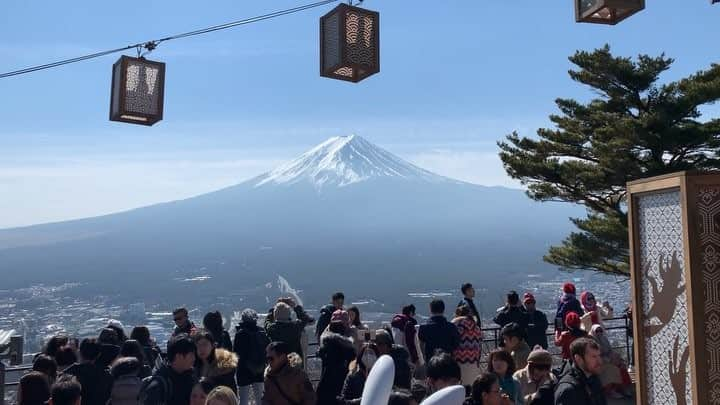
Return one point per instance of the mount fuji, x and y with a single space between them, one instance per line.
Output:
346 214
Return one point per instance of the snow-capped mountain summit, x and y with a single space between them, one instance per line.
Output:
344 160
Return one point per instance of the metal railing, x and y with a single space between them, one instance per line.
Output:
490 341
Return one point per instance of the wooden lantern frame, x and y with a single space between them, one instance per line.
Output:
359 71
120 74
700 232
611 6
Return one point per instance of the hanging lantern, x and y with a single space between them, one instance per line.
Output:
137 91
349 43
606 11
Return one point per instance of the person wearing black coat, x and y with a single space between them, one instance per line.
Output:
249 337
95 380
338 300
213 322
580 385
512 312
537 323
438 333
336 352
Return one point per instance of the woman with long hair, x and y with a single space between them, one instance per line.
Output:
359 369
502 365
468 352
213 322
216 363
486 391
357 328
152 352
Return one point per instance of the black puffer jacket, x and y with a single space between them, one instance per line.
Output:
336 353
246 338
575 388
95 380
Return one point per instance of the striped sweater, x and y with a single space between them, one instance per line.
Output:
469 350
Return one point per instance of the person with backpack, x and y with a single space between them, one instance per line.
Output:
172 383
404 333
126 381
286 383
95 379
338 300
152 352
281 328
249 345
213 322
566 304
213 362
438 333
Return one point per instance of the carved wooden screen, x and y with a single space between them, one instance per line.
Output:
664 301
675 267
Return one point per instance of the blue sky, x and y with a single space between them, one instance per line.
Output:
456 76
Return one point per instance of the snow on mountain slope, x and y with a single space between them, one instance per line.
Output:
344 160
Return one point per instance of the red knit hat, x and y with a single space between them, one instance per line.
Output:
572 320
569 288
528 298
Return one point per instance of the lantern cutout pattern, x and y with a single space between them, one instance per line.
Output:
349 43
137 91
606 11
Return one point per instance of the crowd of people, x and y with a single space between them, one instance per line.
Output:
266 362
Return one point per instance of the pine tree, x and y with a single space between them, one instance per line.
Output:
634 129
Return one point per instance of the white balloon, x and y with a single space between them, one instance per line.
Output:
379 383
454 395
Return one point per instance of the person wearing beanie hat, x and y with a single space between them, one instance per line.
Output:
573 331
535 374
537 323
281 328
340 316
568 302
249 345
337 350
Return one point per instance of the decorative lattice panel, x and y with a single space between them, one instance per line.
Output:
331 41
664 301
360 37
708 211
142 93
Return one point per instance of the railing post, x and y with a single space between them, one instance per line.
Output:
2 383
16 350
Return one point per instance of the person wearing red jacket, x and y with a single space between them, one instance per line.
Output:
565 338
